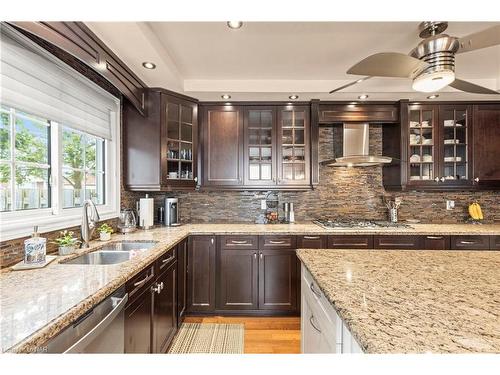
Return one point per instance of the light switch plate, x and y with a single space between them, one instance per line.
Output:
450 205
263 204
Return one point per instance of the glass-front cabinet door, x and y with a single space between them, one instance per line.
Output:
422 146
293 145
181 130
260 150
454 141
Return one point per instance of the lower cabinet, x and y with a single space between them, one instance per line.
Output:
278 280
237 287
165 309
399 242
322 330
474 242
182 264
435 242
201 274
138 324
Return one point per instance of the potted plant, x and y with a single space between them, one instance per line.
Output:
105 232
67 243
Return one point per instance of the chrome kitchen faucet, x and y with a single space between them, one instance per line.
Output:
89 223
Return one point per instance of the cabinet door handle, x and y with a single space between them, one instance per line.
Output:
255 255
436 179
168 259
314 290
312 237
239 242
434 237
156 289
311 320
476 179
468 242
442 179
276 242
212 241
260 255
141 281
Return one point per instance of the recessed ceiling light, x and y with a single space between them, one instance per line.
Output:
433 96
225 96
234 24
148 65
363 97
293 97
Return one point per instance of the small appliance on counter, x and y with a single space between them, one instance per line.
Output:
146 212
289 213
128 221
171 212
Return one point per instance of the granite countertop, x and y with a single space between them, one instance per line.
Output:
37 304
411 301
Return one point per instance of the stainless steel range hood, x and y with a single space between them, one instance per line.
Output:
355 149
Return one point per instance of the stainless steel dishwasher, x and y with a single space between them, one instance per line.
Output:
99 330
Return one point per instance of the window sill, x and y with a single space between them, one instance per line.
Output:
22 227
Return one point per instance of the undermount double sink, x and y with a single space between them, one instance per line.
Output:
113 253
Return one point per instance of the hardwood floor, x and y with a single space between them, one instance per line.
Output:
268 335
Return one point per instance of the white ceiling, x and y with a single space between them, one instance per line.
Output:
271 60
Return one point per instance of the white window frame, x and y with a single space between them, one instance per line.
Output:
16 224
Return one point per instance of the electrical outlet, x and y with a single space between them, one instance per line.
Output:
263 204
450 205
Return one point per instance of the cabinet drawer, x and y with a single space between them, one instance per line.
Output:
277 242
166 259
311 242
470 242
239 242
495 242
350 242
396 242
136 285
435 242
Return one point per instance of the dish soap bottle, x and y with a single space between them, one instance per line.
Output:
35 248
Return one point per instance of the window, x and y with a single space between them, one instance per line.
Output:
83 168
59 141
24 161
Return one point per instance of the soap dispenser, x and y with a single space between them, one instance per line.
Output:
35 248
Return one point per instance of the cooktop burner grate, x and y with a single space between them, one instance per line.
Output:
357 223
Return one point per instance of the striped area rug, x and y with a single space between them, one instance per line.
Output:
209 338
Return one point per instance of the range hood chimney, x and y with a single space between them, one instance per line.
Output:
356 148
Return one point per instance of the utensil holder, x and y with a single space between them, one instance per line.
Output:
393 215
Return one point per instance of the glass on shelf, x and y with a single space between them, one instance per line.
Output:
186 152
186 172
172 150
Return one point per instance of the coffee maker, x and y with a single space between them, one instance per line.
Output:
171 212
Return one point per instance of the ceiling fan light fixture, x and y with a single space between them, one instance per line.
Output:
432 82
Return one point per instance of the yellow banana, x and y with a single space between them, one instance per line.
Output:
472 211
479 212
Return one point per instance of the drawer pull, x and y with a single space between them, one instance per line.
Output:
312 237
142 281
276 242
350 244
314 290
311 320
463 242
434 237
239 242
168 259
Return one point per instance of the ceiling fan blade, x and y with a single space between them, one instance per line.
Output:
389 64
349 84
471 87
482 39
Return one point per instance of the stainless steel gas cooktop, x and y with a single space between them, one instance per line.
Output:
357 224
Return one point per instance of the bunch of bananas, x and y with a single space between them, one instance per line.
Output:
475 211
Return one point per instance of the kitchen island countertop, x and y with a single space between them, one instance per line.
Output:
413 301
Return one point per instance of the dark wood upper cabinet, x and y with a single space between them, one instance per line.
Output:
252 147
345 112
444 146
201 274
486 145
78 40
260 146
160 150
294 146
222 143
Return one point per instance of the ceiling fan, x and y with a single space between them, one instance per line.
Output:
431 64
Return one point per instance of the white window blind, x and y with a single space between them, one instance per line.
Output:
32 79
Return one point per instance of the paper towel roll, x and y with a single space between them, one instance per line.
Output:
146 212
